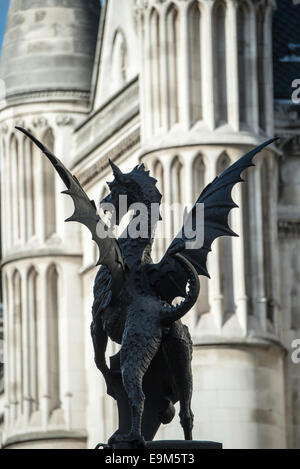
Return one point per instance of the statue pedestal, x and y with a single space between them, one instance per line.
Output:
183 444
169 445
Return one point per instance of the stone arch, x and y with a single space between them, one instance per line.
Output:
199 169
158 173
119 62
176 179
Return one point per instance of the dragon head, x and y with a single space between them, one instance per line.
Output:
134 187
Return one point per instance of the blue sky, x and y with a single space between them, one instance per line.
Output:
3 14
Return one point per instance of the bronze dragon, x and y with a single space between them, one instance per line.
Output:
133 297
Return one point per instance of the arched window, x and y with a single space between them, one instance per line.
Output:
220 72
172 63
260 41
176 195
49 188
155 70
33 339
244 63
225 259
29 189
53 337
17 341
194 31
198 176
119 61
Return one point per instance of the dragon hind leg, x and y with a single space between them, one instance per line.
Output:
178 348
136 357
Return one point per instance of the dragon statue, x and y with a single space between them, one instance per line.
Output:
133 297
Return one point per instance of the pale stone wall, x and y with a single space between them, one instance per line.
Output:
186 112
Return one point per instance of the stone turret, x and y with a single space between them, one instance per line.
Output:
47 65
206 99
49 45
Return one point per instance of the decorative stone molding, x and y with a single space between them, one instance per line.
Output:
4 128
64 120
19 123
39 121
92 172
47 94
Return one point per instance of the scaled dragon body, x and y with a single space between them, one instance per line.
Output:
133 297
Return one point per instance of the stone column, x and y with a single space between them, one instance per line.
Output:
4 198
183 64
11 351
39 191
216 297
7 199
22 194
254 75
268 71
163 68
155 87
232 65
166 161
15 193
259 247
43 346
27 398
7 326
143 60
146 86
238 254
188 156
274 258
208 63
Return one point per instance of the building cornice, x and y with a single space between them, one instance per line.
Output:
127 144
22 256
44 435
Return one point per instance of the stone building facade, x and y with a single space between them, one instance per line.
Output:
186 87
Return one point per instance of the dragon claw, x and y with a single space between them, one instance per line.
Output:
134 440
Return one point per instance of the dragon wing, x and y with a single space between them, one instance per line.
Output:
167 277
85 212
